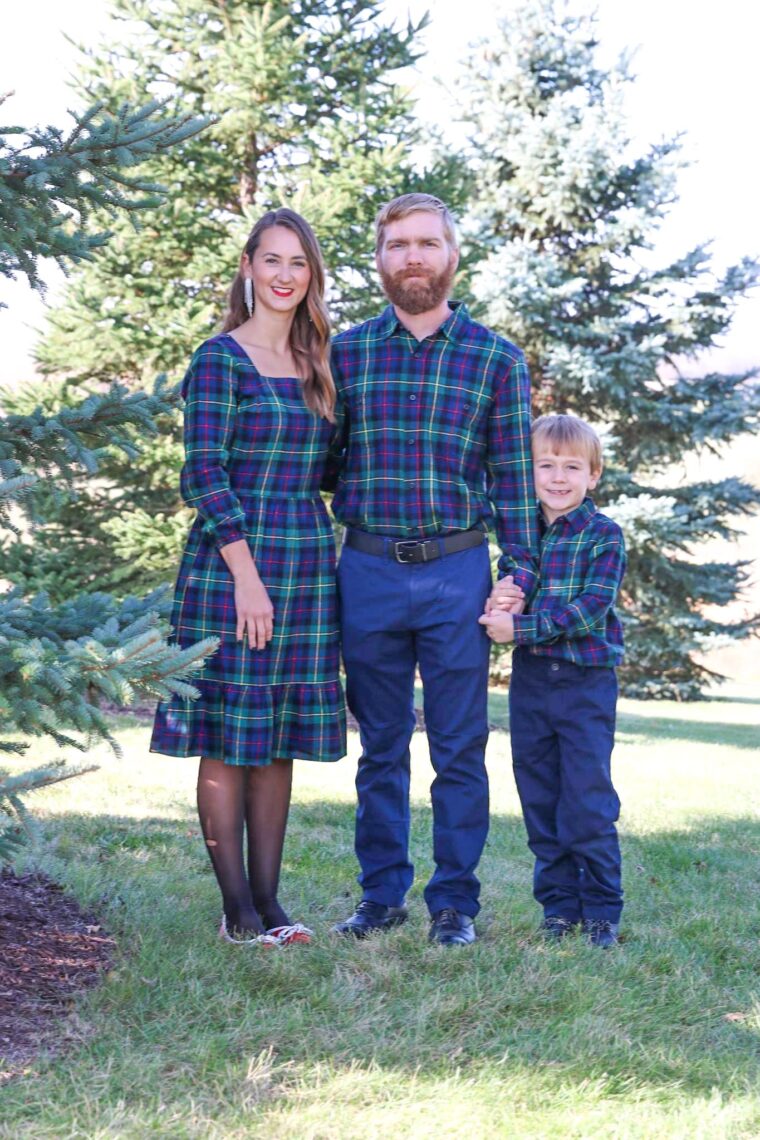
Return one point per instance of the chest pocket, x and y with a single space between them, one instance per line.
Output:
473 413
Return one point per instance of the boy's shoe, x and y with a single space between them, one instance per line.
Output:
370 916
601 932
555 927
449 927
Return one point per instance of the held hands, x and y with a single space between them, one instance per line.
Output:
506 599
507 596
499 625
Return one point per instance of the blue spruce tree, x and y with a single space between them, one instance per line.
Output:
564 214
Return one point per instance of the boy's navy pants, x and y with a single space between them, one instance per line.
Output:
562 723
394 617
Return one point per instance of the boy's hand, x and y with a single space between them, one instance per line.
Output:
499 625
507 596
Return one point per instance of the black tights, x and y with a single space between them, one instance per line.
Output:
255 800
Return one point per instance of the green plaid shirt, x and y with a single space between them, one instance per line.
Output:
435 436
572 615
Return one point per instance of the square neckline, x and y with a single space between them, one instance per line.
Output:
248 360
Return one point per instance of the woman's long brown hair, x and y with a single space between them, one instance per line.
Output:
310 331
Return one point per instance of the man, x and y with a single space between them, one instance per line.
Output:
435 449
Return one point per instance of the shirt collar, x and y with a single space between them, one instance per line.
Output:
453 327
575 520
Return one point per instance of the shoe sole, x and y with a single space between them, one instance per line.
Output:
358 932
452 941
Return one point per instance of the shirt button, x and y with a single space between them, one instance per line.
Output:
412 397
554 666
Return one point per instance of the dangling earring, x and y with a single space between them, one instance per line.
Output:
248 295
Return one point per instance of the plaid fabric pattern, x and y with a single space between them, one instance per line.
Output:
254 459
571 614
435 436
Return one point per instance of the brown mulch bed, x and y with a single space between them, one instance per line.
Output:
49 950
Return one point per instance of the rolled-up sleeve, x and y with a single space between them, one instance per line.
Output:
209 391
510 476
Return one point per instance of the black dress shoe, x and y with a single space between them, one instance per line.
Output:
555 927
600 932
370 916
448 927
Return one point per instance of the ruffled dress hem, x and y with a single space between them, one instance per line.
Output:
254 724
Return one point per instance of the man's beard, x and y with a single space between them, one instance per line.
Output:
419 296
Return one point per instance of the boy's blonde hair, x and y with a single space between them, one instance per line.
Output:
407 204
569 433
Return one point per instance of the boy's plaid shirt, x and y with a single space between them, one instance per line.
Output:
571 614
435 436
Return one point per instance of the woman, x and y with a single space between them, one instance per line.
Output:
258 571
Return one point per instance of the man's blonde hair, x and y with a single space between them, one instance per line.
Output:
407 204
569 433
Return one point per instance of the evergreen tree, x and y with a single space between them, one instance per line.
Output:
565 212
49 180
306 113
56 660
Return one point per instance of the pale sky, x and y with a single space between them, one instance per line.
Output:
696 74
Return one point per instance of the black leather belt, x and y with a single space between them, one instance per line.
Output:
402 550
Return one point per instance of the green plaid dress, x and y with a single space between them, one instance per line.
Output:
254 457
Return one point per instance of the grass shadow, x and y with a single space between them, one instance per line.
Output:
180 1009
650 728
745 736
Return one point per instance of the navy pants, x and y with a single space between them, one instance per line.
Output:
393 618
562 724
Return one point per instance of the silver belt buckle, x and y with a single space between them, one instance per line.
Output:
402 549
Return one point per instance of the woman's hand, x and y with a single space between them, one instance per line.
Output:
255 613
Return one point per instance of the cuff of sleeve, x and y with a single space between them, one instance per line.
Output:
525 579
526 628
222 534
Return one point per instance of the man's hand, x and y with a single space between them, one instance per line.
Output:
499 625
506 596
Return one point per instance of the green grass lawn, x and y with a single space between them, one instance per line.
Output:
188 1037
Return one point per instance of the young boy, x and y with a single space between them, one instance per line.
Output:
563 689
